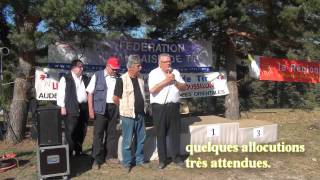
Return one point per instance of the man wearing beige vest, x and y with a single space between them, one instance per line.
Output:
129 95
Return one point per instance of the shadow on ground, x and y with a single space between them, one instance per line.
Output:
80 164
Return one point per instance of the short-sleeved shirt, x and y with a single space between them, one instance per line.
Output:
80 90
110 81
170 93
138 99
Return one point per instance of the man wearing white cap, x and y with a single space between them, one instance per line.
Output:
105 112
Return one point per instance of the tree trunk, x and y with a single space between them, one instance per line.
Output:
18 109
231 100
26 24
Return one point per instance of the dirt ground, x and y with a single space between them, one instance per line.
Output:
293 128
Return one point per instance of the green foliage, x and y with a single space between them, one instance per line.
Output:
216 12
286 29
10 63
124 15
267 94
21 40
59 13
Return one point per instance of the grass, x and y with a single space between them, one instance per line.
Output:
293 128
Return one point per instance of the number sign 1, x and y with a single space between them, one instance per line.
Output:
213 131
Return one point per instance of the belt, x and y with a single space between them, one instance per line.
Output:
169 103
82 104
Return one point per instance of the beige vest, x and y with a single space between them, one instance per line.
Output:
126 107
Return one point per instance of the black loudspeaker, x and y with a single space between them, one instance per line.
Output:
53 161
49 126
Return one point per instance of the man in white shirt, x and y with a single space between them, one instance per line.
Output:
164 86
72 98
105 113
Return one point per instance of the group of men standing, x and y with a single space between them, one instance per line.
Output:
108 95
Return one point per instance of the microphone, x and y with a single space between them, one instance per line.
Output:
170 72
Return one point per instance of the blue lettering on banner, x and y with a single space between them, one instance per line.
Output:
204 93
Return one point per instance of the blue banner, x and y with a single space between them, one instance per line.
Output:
187 56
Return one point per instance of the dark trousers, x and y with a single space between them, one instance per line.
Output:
76 128
167 122
105 135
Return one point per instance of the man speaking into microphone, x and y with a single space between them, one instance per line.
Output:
164 86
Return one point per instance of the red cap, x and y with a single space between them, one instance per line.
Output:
113 62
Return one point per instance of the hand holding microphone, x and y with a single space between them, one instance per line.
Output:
170 78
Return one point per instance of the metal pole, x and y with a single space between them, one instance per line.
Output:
1 76
4 51
1 109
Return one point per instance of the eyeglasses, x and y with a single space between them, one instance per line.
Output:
165 61
80 66
114 70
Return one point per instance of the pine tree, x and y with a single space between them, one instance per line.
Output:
29 26
22 19
286 29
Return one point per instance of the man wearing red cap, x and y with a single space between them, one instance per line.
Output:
102 108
